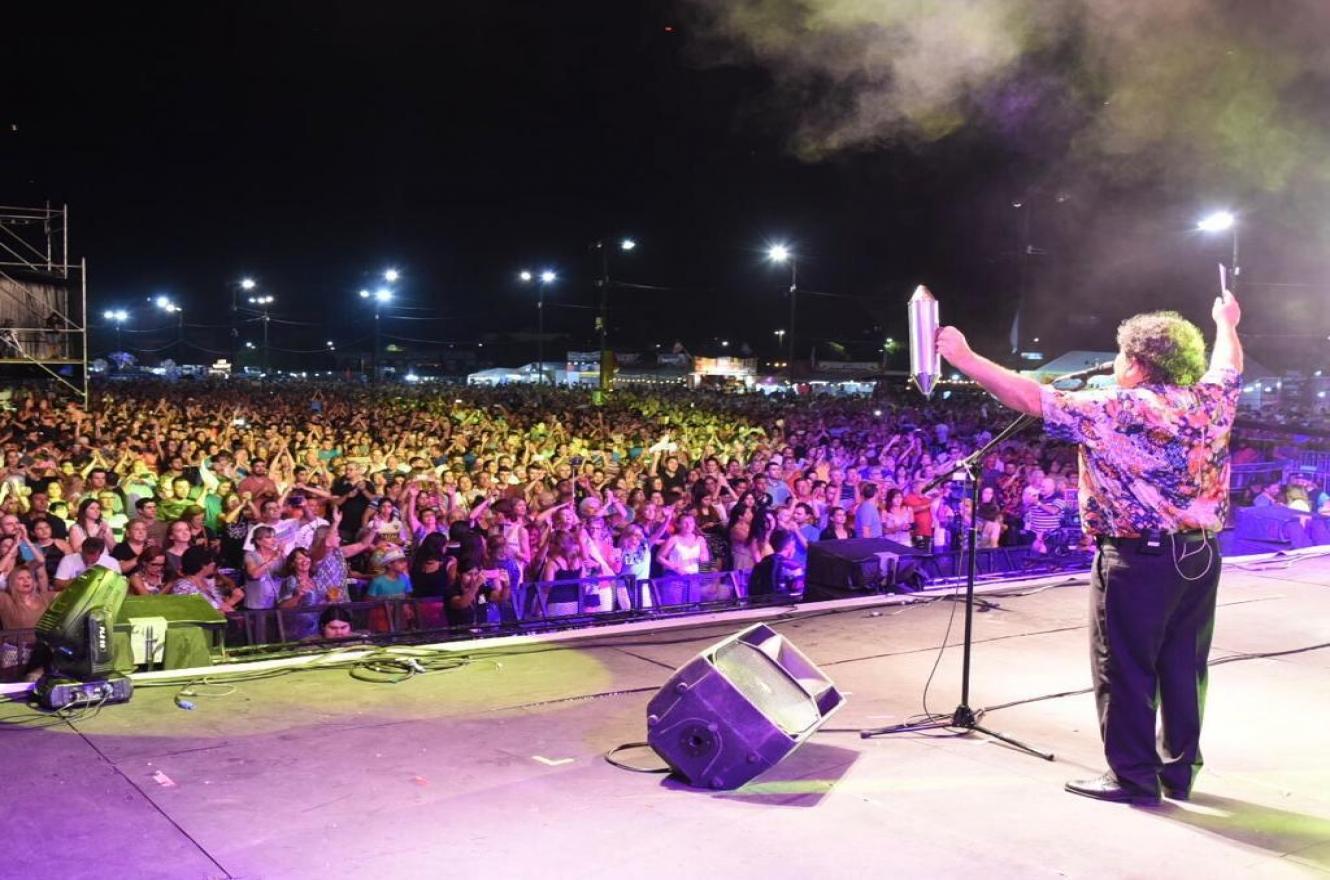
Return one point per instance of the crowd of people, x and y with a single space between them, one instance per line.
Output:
305 496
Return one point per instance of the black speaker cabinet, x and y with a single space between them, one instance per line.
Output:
739 708
867 564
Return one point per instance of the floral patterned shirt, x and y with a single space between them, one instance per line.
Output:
1151 457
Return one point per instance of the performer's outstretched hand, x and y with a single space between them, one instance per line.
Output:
952 345
1226 310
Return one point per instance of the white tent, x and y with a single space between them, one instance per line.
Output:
556 373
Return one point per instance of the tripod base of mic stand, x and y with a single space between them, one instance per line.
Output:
963 718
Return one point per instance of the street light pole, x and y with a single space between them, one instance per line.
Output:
246 284
603 321
167 305
1237 267
1224 221
380 296
265 301
116 317
780 253
794 293
546 278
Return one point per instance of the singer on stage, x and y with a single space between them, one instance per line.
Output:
1154 475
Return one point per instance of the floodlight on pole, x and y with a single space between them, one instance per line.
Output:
546 278
248 283
165 304
391 275
263 302
116 317
364 294
1224 221
603 285
1219 221
381 296
782 253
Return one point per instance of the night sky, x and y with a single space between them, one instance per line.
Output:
311 145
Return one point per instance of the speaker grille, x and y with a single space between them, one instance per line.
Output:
764 684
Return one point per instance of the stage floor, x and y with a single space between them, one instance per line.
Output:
495 769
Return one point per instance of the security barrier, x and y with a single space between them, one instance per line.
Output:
533 607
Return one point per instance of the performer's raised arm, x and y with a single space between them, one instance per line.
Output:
1021 393
1227 353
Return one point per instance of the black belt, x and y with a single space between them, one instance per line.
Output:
1152 540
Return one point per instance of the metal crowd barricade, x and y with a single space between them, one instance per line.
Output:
15 649
1263 472
697 592
535 597
621 597
1314 460
258 626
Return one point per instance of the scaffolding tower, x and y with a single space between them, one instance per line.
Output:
43 300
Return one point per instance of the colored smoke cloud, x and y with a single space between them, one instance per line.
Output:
1212 90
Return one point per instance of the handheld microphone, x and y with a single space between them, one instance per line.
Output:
925 361
1081 375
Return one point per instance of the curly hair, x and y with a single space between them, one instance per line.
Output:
1168 347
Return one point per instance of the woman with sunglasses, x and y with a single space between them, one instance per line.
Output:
149 578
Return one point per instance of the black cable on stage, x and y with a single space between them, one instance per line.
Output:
609 758
937 661
82 710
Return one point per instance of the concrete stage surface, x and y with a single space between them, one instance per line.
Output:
494 769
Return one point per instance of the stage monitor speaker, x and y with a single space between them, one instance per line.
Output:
738 708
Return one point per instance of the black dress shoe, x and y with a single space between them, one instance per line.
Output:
1106 788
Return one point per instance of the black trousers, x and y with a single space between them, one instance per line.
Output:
1151 620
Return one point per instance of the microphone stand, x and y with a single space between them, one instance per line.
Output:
964 717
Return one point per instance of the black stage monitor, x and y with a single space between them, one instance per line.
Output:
738 708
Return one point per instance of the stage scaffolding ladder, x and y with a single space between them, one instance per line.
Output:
43 300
